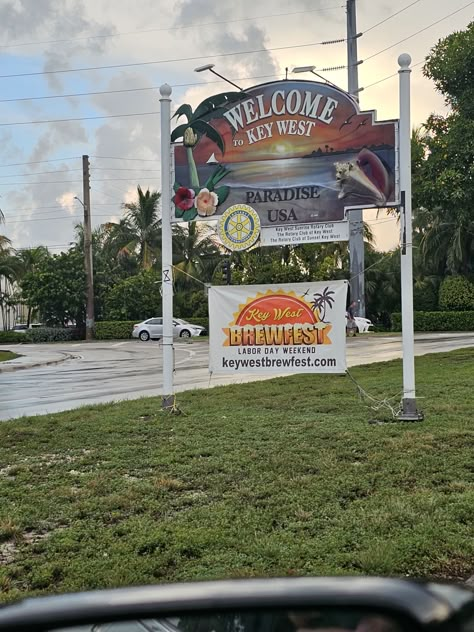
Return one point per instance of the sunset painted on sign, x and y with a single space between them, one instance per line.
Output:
264 125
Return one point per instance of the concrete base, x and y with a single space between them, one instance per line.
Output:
409 411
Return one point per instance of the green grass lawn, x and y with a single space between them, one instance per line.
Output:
284 477
7 355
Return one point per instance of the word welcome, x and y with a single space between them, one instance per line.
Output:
304 103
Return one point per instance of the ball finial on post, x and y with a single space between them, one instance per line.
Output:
404 61
165 91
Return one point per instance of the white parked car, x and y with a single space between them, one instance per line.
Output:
21 328
363 324
152 329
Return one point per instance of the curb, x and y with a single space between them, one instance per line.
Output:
34 365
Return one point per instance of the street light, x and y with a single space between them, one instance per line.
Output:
210 67
311 69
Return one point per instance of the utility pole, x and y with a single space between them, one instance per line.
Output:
356 221
90 320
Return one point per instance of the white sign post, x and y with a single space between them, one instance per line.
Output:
167 401
409 411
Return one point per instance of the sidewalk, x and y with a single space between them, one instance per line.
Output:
31 357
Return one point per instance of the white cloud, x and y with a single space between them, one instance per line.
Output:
68 202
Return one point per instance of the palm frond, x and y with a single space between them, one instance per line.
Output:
210 132
208 107
184 110
178 132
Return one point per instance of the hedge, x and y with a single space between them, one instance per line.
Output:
114 329
43 334
50 334
438 321
12 337
456 294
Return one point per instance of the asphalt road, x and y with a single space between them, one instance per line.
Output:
111 371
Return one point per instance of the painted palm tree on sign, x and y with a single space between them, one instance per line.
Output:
203 200
321 301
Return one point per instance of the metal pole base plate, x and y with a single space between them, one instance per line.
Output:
409 411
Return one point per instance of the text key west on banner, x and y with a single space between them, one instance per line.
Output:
291 328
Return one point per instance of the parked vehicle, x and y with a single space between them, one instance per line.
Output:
20 328
152 329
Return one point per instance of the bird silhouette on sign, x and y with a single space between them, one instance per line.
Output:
362 123
348 121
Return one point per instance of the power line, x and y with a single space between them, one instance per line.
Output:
37 162
122 169
395 74
390 17
104 193
55 207
83 118
19 215
123 158
38 173
161 61
419 31
170 28
4 184
39 246
46 219
124 90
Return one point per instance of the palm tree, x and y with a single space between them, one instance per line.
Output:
446 240
197 125
195 252
27 262
140 229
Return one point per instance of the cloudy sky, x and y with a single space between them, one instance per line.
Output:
99 63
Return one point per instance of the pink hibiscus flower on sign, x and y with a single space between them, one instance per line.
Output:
206 202
184 198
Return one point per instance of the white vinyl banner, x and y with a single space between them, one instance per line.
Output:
288 328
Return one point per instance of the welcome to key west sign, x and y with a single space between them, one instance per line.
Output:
299 153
